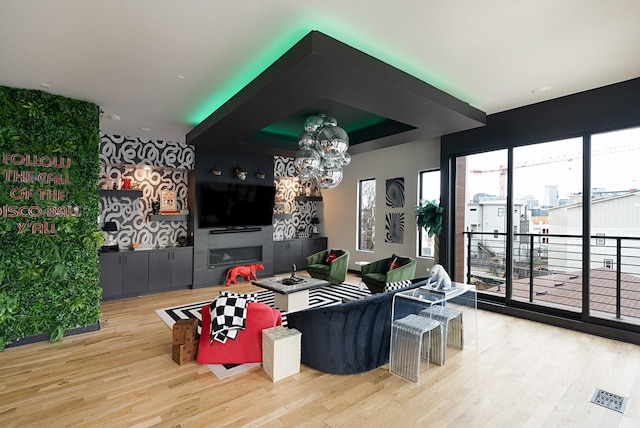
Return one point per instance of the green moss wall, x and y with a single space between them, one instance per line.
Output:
48 214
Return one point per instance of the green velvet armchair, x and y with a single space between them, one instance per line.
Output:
335 271
376 274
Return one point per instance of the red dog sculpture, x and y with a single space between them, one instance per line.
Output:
248 271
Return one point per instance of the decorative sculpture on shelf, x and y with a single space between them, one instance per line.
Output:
155 207
240 173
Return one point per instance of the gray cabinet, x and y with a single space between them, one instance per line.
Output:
170 268
111 275
132 273
135 272
160 270
286 253
182 264
125 273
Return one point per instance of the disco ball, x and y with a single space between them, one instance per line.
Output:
330 121
332 141
323 151
307 162
307 139
331 175
313 123
346 159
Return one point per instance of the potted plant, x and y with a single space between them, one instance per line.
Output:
429 216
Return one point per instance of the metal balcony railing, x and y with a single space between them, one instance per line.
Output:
547 269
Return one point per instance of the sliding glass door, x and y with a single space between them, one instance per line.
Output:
547 224
615 226
481 214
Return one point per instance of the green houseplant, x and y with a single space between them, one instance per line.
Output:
429 216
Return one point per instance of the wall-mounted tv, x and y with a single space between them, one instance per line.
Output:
235 205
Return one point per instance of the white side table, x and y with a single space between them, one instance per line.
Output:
281 352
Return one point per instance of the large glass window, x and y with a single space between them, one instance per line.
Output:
429 186
540 233
366 214
615 225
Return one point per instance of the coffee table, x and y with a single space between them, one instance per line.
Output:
290 298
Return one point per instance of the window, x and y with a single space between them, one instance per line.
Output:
366 214
429 186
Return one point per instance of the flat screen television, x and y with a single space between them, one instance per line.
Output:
235 205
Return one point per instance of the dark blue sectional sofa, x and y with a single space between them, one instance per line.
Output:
352 337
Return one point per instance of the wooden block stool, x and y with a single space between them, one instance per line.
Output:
281 352
185 340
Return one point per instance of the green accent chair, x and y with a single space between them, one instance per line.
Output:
335 272
376 274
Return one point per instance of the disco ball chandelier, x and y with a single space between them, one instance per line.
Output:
323 151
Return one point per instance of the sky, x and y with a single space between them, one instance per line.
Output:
615 166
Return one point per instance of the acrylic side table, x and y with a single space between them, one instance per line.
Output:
444 307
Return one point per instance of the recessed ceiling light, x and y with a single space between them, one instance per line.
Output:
45 86
145 129
540 90
178 76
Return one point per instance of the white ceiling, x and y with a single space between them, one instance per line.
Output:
125 55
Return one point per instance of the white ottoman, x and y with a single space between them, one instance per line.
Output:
281 352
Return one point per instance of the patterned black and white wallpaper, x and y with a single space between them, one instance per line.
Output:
124 157
288 187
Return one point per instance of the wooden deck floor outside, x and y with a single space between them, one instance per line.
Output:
512 373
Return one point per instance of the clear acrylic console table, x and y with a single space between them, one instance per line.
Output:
424 322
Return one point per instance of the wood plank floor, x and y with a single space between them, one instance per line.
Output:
512 373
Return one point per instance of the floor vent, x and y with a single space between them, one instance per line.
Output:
609 400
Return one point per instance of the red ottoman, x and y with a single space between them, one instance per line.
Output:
247 347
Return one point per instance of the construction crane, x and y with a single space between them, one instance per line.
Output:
502 169
503 178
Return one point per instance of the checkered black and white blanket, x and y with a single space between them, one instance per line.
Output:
229 315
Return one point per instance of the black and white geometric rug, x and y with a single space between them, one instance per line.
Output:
318 297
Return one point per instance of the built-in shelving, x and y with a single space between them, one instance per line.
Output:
121 193
168 217
308 198
282 216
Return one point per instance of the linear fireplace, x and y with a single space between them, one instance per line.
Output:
234 256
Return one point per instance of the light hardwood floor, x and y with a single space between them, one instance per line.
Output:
512 373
